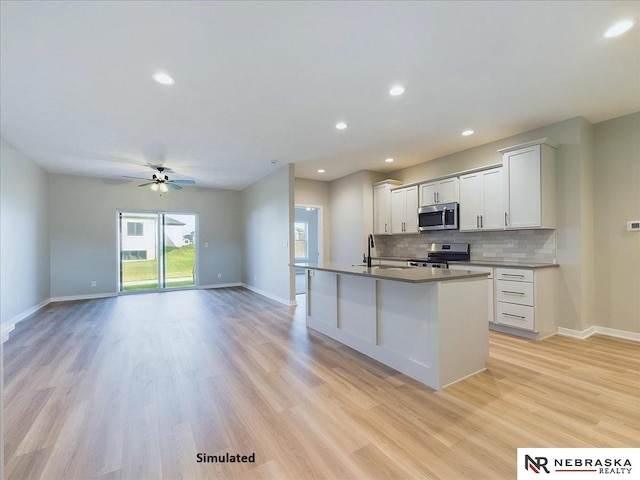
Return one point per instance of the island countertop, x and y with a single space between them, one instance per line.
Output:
399 274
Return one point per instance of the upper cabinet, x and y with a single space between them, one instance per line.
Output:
441 191
404 210
530 194
482 200
382 206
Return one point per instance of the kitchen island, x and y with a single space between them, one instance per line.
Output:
427 323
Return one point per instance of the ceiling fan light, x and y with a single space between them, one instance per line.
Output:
154 187
164 188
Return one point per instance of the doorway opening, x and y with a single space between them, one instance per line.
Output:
156 251
308 240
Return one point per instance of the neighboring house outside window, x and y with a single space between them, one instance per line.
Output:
139 243
135 229
134 255
139 236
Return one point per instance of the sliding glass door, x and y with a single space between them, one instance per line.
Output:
157 251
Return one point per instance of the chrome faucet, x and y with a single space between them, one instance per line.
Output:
370 245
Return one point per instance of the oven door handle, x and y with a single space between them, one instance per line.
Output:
444 217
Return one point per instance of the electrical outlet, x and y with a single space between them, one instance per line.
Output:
93 283
633 226
219 275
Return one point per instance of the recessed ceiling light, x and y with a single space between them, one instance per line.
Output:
389 160
396 90
618 28
341 125
466 133
321 170
163 78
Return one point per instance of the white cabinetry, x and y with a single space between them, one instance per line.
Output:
490 283
482 200
525 300
382 206
404 210
441 191
530 195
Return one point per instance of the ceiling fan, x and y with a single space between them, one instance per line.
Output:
160 180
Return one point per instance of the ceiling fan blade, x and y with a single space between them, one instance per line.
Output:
174 186
183 182
137 178
145 184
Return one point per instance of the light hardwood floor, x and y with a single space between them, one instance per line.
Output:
134 387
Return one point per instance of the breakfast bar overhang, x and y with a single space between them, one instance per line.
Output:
427 323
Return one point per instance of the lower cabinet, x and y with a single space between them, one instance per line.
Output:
521 300
490 282
525 300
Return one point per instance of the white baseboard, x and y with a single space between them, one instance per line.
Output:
288 303
83 297
8 327
5 330
219 285
611 332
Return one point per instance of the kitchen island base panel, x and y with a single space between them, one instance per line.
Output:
433 332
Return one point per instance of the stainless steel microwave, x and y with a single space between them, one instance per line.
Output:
443 216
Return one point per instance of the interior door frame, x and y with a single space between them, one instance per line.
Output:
160 254
320 226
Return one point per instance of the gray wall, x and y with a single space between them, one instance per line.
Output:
268 236
83 231
617 194
24 230
352 215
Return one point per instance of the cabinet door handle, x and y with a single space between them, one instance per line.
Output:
512 315
434 197
481 221
512 275
437 197
506 222
477 221
509 292
385 227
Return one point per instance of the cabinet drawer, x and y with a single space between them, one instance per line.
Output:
519 275
515 292
520 316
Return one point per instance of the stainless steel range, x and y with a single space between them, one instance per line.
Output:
439 254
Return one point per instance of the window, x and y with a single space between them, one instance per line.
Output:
300 239
134 229
134 254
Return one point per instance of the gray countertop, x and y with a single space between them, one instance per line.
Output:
411 275
505 263
486 263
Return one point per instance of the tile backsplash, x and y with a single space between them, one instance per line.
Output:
532 246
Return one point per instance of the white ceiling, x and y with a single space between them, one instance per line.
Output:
258 82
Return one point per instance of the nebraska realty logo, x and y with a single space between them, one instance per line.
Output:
582 463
